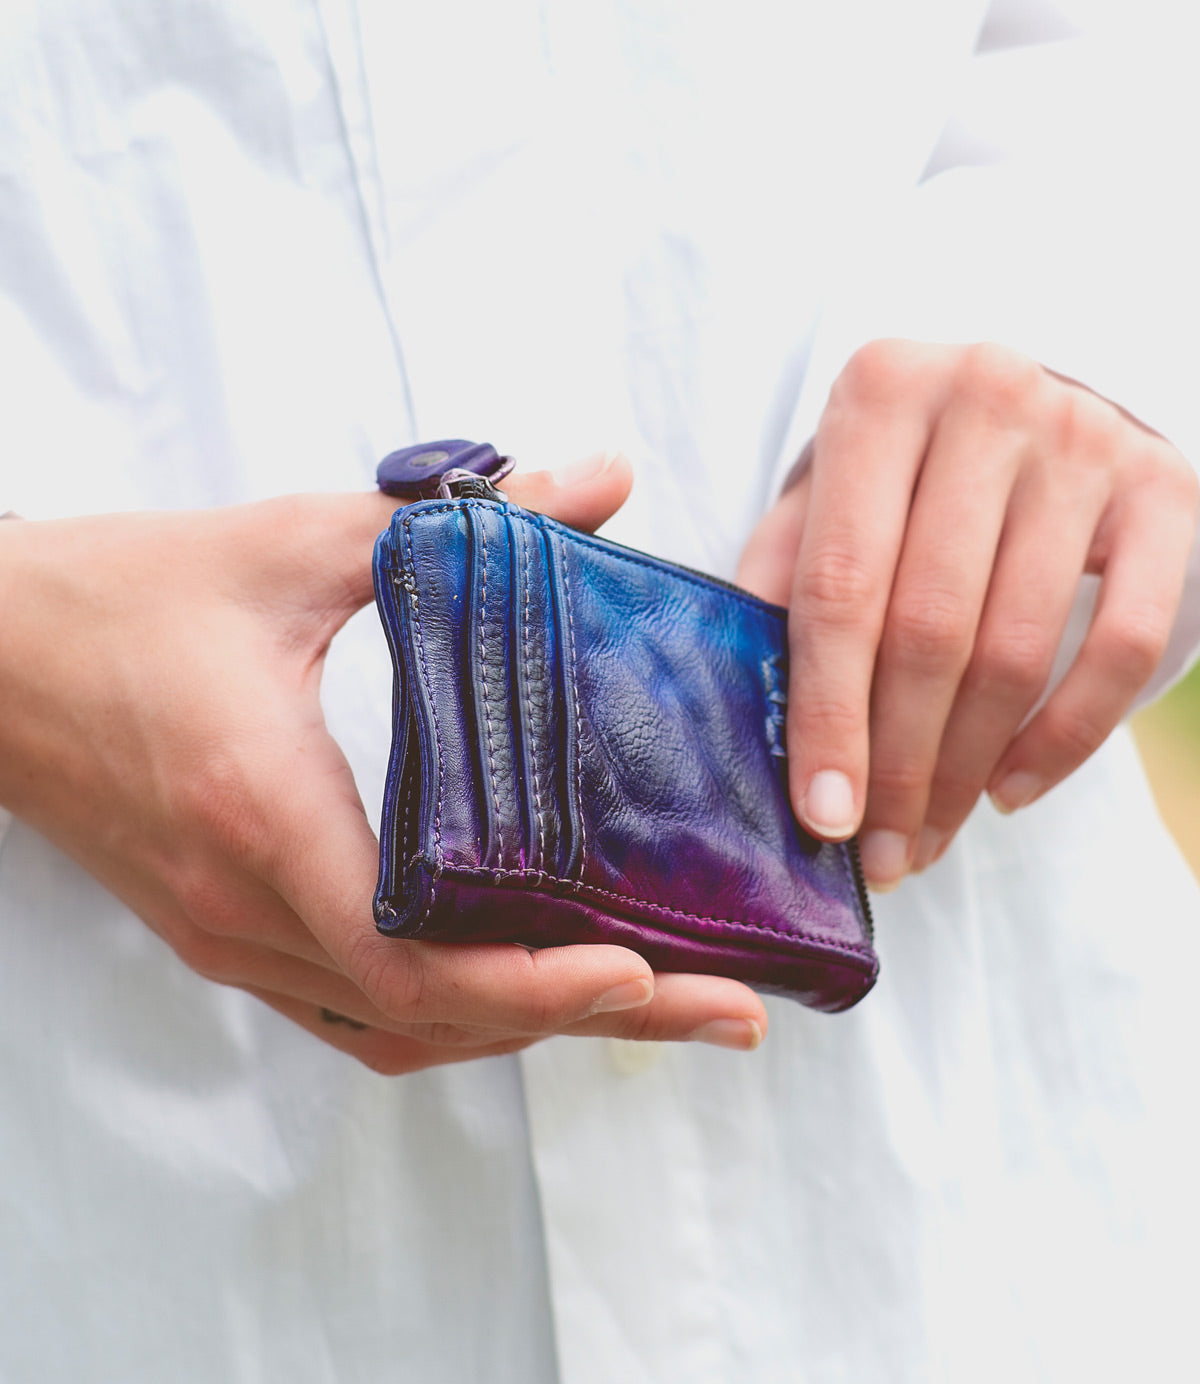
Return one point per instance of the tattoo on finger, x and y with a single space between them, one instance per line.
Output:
331 1016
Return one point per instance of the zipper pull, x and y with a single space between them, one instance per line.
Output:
447 470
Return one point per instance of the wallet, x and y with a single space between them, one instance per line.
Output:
589 746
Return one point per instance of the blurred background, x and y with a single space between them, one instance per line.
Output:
1168 735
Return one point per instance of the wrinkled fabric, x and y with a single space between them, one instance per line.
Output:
248 248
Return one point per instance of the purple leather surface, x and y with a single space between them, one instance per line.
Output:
589 747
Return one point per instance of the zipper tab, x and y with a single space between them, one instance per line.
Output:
433 469
466 485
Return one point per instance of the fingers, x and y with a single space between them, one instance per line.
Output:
956 495
1140 593
678 1015
499 985
389 1054
321 572
326 873
583 494
933 631
869 449
1050 528
323 863
768 562
699 1009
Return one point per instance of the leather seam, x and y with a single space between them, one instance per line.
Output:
408 798
668 569
528 720
437 733
578 716
541 877
487 705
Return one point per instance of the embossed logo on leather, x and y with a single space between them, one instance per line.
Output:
774 676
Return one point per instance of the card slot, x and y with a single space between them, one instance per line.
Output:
491 584
571 857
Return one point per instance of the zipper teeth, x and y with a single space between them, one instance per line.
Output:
861 885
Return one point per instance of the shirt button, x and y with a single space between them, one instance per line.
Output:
630 1057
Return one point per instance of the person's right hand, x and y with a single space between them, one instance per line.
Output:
160 721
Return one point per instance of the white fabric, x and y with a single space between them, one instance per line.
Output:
249 247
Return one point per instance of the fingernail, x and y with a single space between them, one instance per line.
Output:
586 468
1017 790
885 856
930 844
829 804
742 1034
626 996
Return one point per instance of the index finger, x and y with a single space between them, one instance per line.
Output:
869 447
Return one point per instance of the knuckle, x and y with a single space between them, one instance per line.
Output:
828 718
1132 643
1171 471
389 974
546 1007
1083 425
836 585
1016 660
898 780
207 955
952 794
1184 480
643 1025
929 629
997 379
207 902
543 1014
880 373
1076 735
217 799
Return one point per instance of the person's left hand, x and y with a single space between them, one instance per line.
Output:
930 556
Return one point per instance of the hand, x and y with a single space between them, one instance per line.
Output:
160 721
930 557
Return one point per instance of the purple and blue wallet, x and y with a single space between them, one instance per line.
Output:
589 746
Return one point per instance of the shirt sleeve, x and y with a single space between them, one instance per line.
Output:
1058 215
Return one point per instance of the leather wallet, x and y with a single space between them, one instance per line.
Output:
589 746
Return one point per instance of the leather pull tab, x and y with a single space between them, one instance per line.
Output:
417 473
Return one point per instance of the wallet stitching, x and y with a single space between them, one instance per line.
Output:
437 733
409 791
542 877
531 738
408 798
653 564
578 716
487 706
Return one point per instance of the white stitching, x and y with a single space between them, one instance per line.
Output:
437 734
541 877
578 717
667 569
412 778
487 707
408 797
537 794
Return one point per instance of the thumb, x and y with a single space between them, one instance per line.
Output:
335 534
584 494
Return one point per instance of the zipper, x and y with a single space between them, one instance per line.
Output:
465 485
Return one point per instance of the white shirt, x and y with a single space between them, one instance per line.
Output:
248 248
